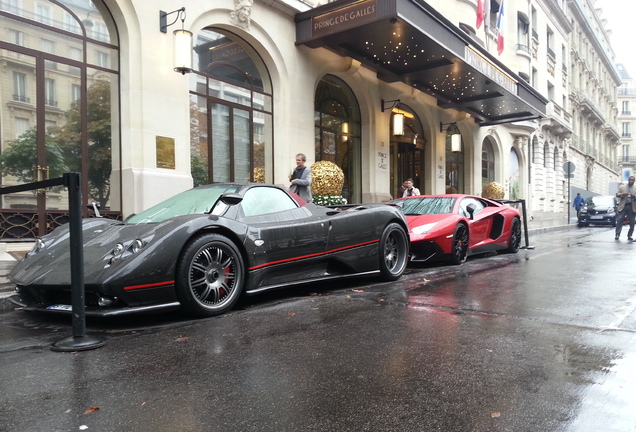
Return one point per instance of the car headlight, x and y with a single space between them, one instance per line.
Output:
118 249
123 250
423 229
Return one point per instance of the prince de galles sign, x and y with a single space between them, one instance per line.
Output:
344 18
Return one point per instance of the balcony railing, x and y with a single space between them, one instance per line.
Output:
626 112
50 102
523 48
21 98
626 134
551 54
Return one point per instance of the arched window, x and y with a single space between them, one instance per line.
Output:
337 134
546 155
230 111
556 158
487 163
61 72
514 174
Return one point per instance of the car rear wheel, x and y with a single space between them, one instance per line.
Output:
459 252
394 252
515 236
210 276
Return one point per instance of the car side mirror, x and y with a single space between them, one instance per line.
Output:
231 199
95 207
470 208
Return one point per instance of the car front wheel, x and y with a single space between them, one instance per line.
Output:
394 252
210 276
459 251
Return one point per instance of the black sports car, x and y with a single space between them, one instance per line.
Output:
201 249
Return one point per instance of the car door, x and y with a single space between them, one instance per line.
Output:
479 224
281 234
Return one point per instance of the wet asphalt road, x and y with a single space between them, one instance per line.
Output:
544 340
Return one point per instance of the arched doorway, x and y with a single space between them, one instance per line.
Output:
230 111
407 150
60 76
337 133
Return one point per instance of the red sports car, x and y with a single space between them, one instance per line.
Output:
456 226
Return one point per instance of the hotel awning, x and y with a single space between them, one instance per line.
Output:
408 41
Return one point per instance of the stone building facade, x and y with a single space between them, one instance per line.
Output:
91 86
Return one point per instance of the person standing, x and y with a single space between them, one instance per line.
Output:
578 203
626 207
301 179
407 189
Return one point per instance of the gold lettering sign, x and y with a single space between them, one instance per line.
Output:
165 152
485 66
344 18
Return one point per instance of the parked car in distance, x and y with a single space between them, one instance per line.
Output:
598 210
200 250
456 226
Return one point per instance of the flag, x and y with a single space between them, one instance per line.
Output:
480 12
483 13
501 28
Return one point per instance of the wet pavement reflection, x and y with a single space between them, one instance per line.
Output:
543 340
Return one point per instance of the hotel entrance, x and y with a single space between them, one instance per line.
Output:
407 148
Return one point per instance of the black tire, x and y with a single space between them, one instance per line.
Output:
459 251
210 276
515 236
394 252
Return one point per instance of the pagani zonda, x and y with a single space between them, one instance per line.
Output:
456 226
201 249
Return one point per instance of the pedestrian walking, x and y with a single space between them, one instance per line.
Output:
578 203
626 207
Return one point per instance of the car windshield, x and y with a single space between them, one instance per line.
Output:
426 205
193 201
600 201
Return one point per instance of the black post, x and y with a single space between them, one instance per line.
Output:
79 341
525 223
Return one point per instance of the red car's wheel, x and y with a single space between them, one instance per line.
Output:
459 251
515 236
210 276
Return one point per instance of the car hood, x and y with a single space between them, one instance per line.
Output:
441 220
162 243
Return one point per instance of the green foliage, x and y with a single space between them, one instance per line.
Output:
325 200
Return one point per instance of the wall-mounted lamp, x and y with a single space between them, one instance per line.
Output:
456 137
182 40
397 118
345 131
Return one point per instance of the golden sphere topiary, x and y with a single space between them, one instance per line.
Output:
259 175
326 178
493 190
